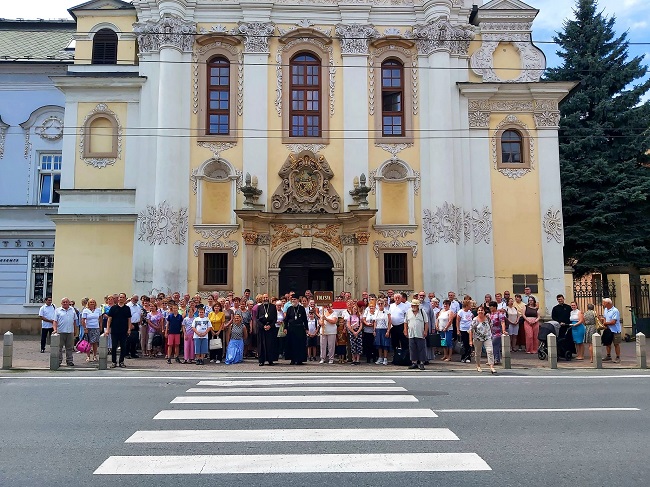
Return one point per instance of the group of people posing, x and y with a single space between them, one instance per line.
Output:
293 327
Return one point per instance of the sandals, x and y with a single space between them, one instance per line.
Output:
122 366
113 365
493 371
479 369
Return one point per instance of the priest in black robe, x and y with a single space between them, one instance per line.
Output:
296 325
267 333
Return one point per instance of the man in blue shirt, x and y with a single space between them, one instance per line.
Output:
613 322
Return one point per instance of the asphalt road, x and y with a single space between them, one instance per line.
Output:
68 429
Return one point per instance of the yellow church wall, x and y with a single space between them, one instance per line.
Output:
216 203
394 199
506 61
102 242
517 242
111 176
126 49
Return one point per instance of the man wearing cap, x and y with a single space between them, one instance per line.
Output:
417 322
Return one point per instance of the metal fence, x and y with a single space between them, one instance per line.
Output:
592 289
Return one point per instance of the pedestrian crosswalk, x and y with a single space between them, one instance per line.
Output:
394 419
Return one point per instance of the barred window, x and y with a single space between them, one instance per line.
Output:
522 281
395 269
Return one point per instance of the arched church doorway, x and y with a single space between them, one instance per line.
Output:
303 269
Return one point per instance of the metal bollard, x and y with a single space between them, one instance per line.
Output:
551 341
640 351
505 351
597 348
103 352
8 351
55 351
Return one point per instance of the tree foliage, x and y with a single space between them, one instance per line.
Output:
604 143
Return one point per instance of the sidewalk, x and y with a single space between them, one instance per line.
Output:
27 355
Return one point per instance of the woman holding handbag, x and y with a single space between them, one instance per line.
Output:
481 336
217 318
590 328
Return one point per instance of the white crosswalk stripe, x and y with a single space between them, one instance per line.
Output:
303 393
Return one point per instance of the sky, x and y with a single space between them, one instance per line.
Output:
632 16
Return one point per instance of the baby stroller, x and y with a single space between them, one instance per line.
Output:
565 346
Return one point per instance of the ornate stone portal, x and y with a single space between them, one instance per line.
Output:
306 213
305 186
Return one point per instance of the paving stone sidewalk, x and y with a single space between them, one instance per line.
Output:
26 355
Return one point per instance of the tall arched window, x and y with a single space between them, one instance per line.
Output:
511 147
392 98
218 122
305 96
104 47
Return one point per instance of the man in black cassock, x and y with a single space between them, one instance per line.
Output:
267 333
296 325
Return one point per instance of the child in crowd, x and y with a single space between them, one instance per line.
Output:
342 336
173 329
201 326
312 335
188 342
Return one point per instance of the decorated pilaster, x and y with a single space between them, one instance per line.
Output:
256 107
164 223
437 41
354 39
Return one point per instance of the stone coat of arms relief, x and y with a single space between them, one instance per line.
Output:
306 186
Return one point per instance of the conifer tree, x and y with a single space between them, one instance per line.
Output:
604 144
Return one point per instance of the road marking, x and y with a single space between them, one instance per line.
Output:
296 399
287 382
286 435
227 414
298 389
535 410
266 464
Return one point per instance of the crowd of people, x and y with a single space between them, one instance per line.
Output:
414 329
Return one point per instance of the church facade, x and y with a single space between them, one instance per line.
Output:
292 144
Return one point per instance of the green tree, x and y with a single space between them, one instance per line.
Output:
604 143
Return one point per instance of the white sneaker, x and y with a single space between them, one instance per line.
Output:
217 361
331 361
322 361
385 361
379 361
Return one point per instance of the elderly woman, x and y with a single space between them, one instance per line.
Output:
90 317
578 330
481 336
417 322
217 318
589 319
512 320
328 321
531 323
238 334
444 325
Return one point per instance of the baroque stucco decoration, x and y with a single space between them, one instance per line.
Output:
168 31
374 54
216 238
103 161
395 170
528 139
552 225
533 62
306 186
331 70
440 35
329 233
256 36
450 224
50 129
395 243
240 74
161 225
355 38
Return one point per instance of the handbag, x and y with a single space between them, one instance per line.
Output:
433 340
83 346
215 344
281 331
599 324
157 340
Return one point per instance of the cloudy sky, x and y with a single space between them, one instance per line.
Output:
632 16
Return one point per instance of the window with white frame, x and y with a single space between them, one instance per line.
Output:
49 176
41 273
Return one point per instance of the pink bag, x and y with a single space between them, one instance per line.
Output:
83 346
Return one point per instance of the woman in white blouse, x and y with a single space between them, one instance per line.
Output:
90 321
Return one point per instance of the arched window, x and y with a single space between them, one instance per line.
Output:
511 147
392 98
218 113
105 47
305 96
